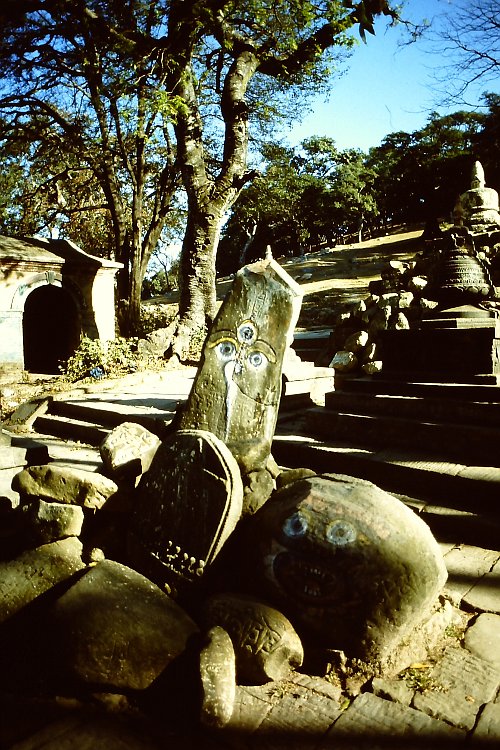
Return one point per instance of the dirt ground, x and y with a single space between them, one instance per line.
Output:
329 279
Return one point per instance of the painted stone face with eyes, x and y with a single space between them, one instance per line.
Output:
237 389
347 563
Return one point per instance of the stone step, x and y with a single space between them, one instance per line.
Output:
461 488
70 429
380 386
423 407
467 444
108 415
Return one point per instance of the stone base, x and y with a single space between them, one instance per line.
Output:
457 345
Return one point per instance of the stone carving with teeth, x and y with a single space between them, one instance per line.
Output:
348 564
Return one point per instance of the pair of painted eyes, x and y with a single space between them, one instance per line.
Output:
339 533
226 351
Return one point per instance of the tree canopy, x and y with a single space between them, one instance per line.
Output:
315 194
108 107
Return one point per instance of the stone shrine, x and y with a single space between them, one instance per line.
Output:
349 564
479 206
458 338
51 292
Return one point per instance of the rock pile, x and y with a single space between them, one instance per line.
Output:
405 295
194 564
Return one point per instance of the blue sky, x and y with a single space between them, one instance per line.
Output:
386 87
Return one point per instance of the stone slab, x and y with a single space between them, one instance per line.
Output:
298 718
483 638
372 722
465 565
11 457
463 683
488 726
485 594
79 732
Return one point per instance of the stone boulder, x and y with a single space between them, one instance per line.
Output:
128 450
265 642
349 564
115 629
35 572
64 485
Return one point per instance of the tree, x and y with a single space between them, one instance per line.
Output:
421 174
248 45
303 196
85 112
110 80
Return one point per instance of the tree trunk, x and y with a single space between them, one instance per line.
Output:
208 198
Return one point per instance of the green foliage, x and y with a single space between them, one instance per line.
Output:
304 196
112 358
154 317
417 677
420 175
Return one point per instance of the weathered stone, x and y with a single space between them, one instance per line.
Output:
116 629
346 562
258 486
417 285
479 205
356 341
237 389
484 596
405 300
64 485
370 368
266 645
370 352
218 678
388 300
393 690
487 729
129 449
27 576
288 476
463 682
5 438
186 506
379 322
483 638
10 457
53 521
372 721
344 361
400 322
79 731
465 565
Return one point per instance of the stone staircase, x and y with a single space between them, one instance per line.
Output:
437 446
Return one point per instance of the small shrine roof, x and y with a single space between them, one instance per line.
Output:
32 249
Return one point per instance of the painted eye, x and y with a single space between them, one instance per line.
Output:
257 360
225 350
341 533
295 526
247 333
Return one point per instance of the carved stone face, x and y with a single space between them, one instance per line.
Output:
347 562
237 389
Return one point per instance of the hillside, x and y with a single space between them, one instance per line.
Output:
329 279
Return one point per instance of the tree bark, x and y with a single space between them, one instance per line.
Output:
209 197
